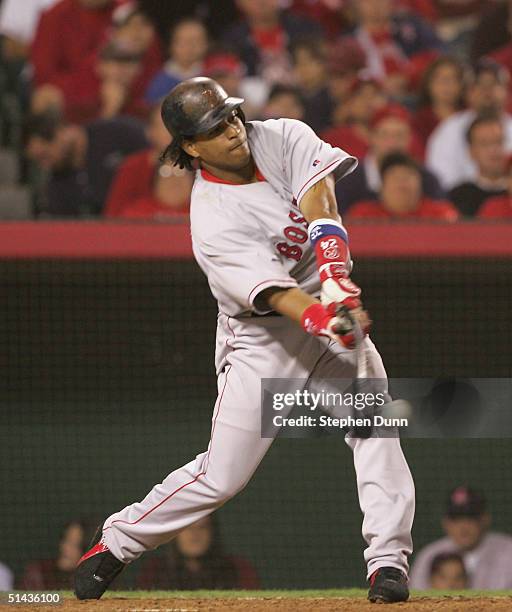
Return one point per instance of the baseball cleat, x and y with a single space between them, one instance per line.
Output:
387 585
96 569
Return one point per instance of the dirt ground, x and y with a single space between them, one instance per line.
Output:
279 604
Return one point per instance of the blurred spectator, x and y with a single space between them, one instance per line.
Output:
216 14
330 14
195 560
188 45
6 578
390 132
447 572
499 207
401 196
447 153
346 61
57 574
390 39
455 20
67 35
352 118
442 94
310 72
228 70
18 21
487 555
145 189
487 149
263 36
81 160
284 101
494 29
114 78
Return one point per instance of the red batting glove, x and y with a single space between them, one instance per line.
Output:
320 321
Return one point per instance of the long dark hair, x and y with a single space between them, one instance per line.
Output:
217 570
176 154
425 99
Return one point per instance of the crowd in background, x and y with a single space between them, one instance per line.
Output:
418 90
470 555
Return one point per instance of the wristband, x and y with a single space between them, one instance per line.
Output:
330 241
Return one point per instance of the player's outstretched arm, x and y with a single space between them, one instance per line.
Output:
330 241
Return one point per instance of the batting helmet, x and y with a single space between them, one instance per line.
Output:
196 106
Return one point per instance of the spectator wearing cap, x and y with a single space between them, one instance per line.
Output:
143 188
310 74
447 153
390 39
80 161
390 133
442 94
353 116
263 36
499 207
487 555
401 196
187 49
284 101
447 572
486 146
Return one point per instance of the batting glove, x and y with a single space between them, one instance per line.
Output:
338 292
331 322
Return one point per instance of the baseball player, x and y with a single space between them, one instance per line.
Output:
267 234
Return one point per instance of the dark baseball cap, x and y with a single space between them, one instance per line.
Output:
464 501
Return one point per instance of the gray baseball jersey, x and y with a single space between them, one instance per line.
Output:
247 238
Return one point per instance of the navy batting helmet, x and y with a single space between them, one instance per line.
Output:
196 106
193 107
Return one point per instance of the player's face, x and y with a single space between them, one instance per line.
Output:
224 147
465 532
450 575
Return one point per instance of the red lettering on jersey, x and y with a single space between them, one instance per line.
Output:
295 234
290 251
298 218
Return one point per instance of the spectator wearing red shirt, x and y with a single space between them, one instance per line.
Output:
401 195
195 560
390 132
67 35
353 117
81 85
442 94
145 189
499 207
